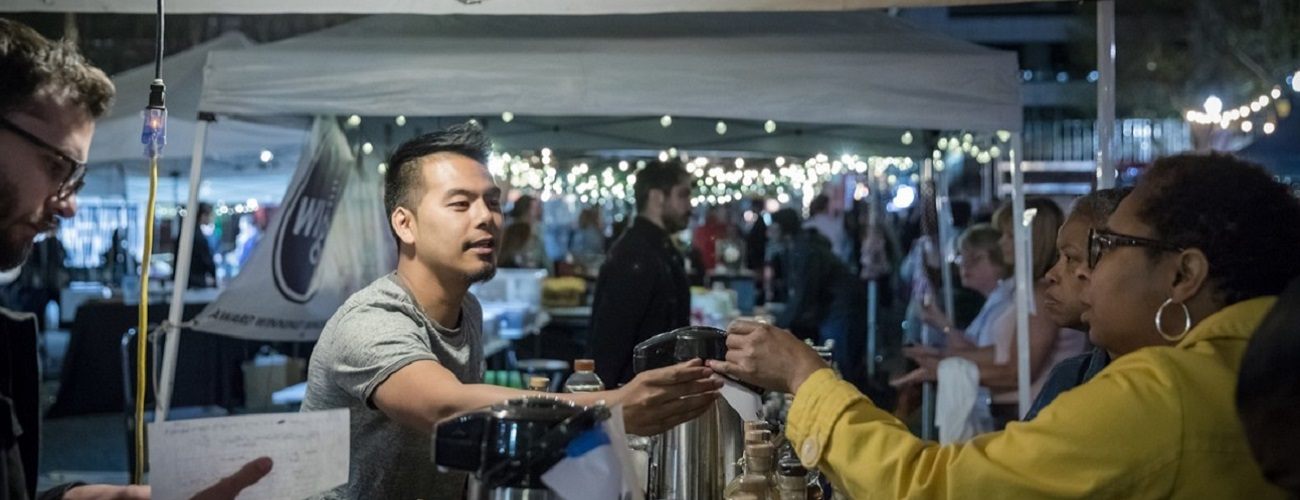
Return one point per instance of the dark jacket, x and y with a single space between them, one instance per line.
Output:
819 285
1066 375
642 291
19 404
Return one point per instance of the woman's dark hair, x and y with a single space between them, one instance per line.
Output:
1247 224
786 221
513 241
1098 205
522 208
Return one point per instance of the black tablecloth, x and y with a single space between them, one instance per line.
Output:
207 366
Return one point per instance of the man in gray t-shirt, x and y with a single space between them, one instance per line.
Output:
379 330
405 352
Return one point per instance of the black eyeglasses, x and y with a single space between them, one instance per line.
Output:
73 180
1101 241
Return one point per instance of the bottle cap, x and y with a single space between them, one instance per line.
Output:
758 436
584 365
539 383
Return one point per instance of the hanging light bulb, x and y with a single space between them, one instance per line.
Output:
666 121
507 117
907 138
354 121
1269 127
367 148
769 126
721 127
400 120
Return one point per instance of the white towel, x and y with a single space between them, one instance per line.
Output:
961 409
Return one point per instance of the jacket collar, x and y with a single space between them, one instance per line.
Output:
1237 321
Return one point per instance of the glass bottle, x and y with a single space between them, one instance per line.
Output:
584 378
757 476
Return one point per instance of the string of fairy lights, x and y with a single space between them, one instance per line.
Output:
1261 113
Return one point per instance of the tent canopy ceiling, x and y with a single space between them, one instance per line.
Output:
855 68
482 7
117 135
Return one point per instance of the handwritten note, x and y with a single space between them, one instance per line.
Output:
309 452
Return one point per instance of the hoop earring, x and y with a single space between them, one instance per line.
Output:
1187 321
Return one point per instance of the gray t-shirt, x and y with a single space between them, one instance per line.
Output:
378 331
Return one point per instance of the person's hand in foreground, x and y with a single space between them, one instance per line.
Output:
767 356
658 400
227 488
230 486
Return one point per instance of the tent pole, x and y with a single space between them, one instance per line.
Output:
172 339
1105 94
1024 281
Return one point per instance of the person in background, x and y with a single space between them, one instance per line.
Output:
1062 300
1049 342
705 238
44 275
1192 260
527 215
203 266
50 97
1268 391
642 289
830 225
756 244
515 251
588 242
824 299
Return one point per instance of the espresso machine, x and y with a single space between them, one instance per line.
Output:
507 447
695 460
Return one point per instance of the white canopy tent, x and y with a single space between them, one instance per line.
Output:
863 68
479 7
118 166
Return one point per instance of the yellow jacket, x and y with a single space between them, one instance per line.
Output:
1157 423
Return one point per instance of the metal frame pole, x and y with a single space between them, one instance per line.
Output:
1024 283
1105 94
172 340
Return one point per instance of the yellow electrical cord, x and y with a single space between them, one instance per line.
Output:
142 329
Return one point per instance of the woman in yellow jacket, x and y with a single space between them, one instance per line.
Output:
1189 263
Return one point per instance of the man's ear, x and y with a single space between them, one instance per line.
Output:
403 222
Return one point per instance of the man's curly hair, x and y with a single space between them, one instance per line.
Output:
31 65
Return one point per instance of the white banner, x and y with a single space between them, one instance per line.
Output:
328 240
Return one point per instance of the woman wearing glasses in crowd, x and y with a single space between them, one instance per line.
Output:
1193 259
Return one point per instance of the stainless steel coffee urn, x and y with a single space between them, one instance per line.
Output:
510 445
695 460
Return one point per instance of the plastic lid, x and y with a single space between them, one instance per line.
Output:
584 365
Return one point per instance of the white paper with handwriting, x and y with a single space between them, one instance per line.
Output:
309 453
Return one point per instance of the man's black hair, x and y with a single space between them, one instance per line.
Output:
402 182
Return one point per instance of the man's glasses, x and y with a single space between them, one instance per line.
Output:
1101 241
73 180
